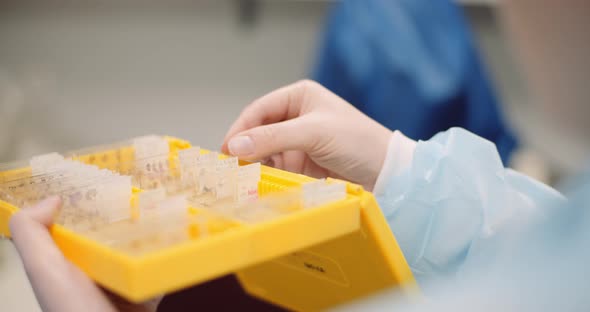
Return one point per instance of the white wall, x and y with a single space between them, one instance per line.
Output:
113 73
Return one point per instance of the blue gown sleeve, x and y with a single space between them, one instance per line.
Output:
456 195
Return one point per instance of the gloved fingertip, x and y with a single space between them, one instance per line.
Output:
224 148
52 201
45 210
241 146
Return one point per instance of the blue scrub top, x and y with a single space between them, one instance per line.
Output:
412 66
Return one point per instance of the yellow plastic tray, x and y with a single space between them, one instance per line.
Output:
308 260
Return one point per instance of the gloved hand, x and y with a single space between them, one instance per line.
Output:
307 129
57 283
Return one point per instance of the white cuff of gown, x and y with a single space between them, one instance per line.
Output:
400 153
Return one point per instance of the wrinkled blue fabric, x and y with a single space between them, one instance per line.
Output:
542 268
536 262
412 66
455 201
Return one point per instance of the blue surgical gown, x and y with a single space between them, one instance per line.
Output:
481 237
455 201
412 66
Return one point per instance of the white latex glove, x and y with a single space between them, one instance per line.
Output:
58 284
305 128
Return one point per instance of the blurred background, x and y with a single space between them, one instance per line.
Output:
75 75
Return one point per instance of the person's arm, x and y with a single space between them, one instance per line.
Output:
441 197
